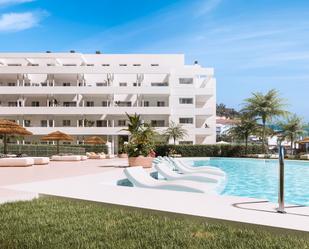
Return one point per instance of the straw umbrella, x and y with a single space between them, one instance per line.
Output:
57 136
95 140
11 128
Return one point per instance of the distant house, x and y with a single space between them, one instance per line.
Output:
223 124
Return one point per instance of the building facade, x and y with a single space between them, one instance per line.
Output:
89 94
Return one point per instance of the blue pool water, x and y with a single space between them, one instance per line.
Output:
259 178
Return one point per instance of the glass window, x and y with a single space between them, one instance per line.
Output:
146 103
27 123
186 120
185 100
105 103
66 123
160 103
89 103
35 103
123 84
43 123
185 80
159 83
157 123
66 84
122 122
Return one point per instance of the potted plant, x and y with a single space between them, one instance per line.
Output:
141 144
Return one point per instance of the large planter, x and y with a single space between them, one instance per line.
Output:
146 162
123 155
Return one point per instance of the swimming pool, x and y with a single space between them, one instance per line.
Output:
259 178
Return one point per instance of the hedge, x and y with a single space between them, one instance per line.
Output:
206 150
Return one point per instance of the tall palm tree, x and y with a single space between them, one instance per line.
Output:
175 132
264 107
243 130
291 129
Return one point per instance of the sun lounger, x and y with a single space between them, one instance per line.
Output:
40 160
186 169
169 174
16 162
139 178
306 157
66 158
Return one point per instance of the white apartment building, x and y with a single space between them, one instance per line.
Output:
89 94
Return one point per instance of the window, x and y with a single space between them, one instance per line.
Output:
43 123
11 84
185 142
35 103
157 123
90 65
69 104
105 65
122 122
122 83
50 123
146 103
122 65
159 83
136 84
188 101
69 65
160 103
101 84
186 81
66 123
123 103
27 123
101 123
105 103
154 65
186 120
66 84
136 65
12 103
14 65
89 103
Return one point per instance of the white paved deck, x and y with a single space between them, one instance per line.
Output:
100 187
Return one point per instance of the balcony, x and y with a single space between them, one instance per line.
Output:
83 130
93 90
44 110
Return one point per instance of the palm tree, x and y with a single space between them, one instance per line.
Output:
243 130
264 107
135 123
175 132
291 129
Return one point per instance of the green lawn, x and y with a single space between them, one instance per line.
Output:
50 223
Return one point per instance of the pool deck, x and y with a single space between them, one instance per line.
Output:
94 180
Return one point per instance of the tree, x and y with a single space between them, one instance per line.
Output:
291 129
175 132
223 111
264 107
244 129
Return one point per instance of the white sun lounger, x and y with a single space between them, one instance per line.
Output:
169 174
139 178
187 169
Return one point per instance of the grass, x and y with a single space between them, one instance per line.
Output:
51 223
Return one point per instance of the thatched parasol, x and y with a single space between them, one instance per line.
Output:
304 141
57 136
94 140
11 128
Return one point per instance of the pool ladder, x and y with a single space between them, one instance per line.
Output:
280 209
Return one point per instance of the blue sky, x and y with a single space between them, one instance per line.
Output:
253 45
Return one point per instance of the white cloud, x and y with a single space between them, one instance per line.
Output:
13 2
207 6
13 22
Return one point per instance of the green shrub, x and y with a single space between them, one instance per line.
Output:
205 150
42 149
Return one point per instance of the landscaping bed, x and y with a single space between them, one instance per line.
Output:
52 223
